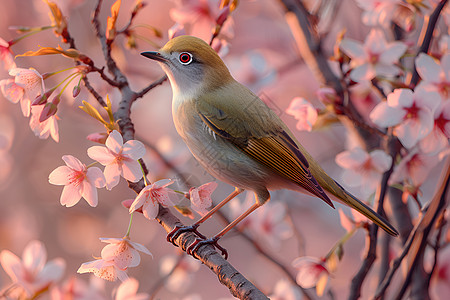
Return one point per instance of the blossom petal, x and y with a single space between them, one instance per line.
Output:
70 195
134 149
150 210
53 270
353 49
90 194
362 72
96 176
34 256
114 142
11 264
73 163
60 175
131 170
101 154
393 52
112 175
385 116
427 68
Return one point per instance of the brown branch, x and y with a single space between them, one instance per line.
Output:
417 241
425 44
151 86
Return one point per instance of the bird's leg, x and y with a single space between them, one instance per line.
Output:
193 248
178 230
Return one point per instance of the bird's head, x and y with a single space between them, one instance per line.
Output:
191 65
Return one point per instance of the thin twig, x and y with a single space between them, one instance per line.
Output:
425 44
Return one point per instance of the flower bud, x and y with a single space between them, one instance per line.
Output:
98 137
49 110
42 99
76 90
223 15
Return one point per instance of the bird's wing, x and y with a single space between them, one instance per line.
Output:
258 132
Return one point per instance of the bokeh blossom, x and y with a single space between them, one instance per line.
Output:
363 169
376 57
311 272
285 290
303 112
182 270
6 55
201 197
76 289
127 290
410 112
152 195
119 159
78 180
435 76
32 273
438 139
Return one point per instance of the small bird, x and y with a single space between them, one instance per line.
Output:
237 138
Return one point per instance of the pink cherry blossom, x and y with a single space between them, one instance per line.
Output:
32 273
285 290
201 15
414 168
303 112
410 112
152 195
78 180
43 129
176 30
103 269
32 83
116 258
6 55
376 57
349 223
268 224
363 169
201 197
16 93
437 139
182 272
119 159
435 76
123 252
127 290
378 12
76 289
311 271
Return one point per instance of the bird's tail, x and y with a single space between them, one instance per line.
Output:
334 188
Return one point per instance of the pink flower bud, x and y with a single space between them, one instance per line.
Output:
326 95
42 99
49 110
98 137
76 91
176 30
223 15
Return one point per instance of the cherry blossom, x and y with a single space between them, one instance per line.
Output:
303 112
176 30
201 197
78 180
378 12
435 76
181 270
119 159
32 83
349 223
127 290
123 252
363 169
103 269
6 55
311 272
414 167
285 290
201 15
152 195
410 112
32 272
437 139
376 57
46 128
116 258
268 225
76 289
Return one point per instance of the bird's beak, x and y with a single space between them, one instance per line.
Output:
155 55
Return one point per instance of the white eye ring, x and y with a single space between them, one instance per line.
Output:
185 58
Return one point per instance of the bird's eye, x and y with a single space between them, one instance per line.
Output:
185 58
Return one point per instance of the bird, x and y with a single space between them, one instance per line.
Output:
237 138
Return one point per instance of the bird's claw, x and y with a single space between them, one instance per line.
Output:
178 230
193 248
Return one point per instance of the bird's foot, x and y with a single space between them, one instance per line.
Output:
193 248
178 230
